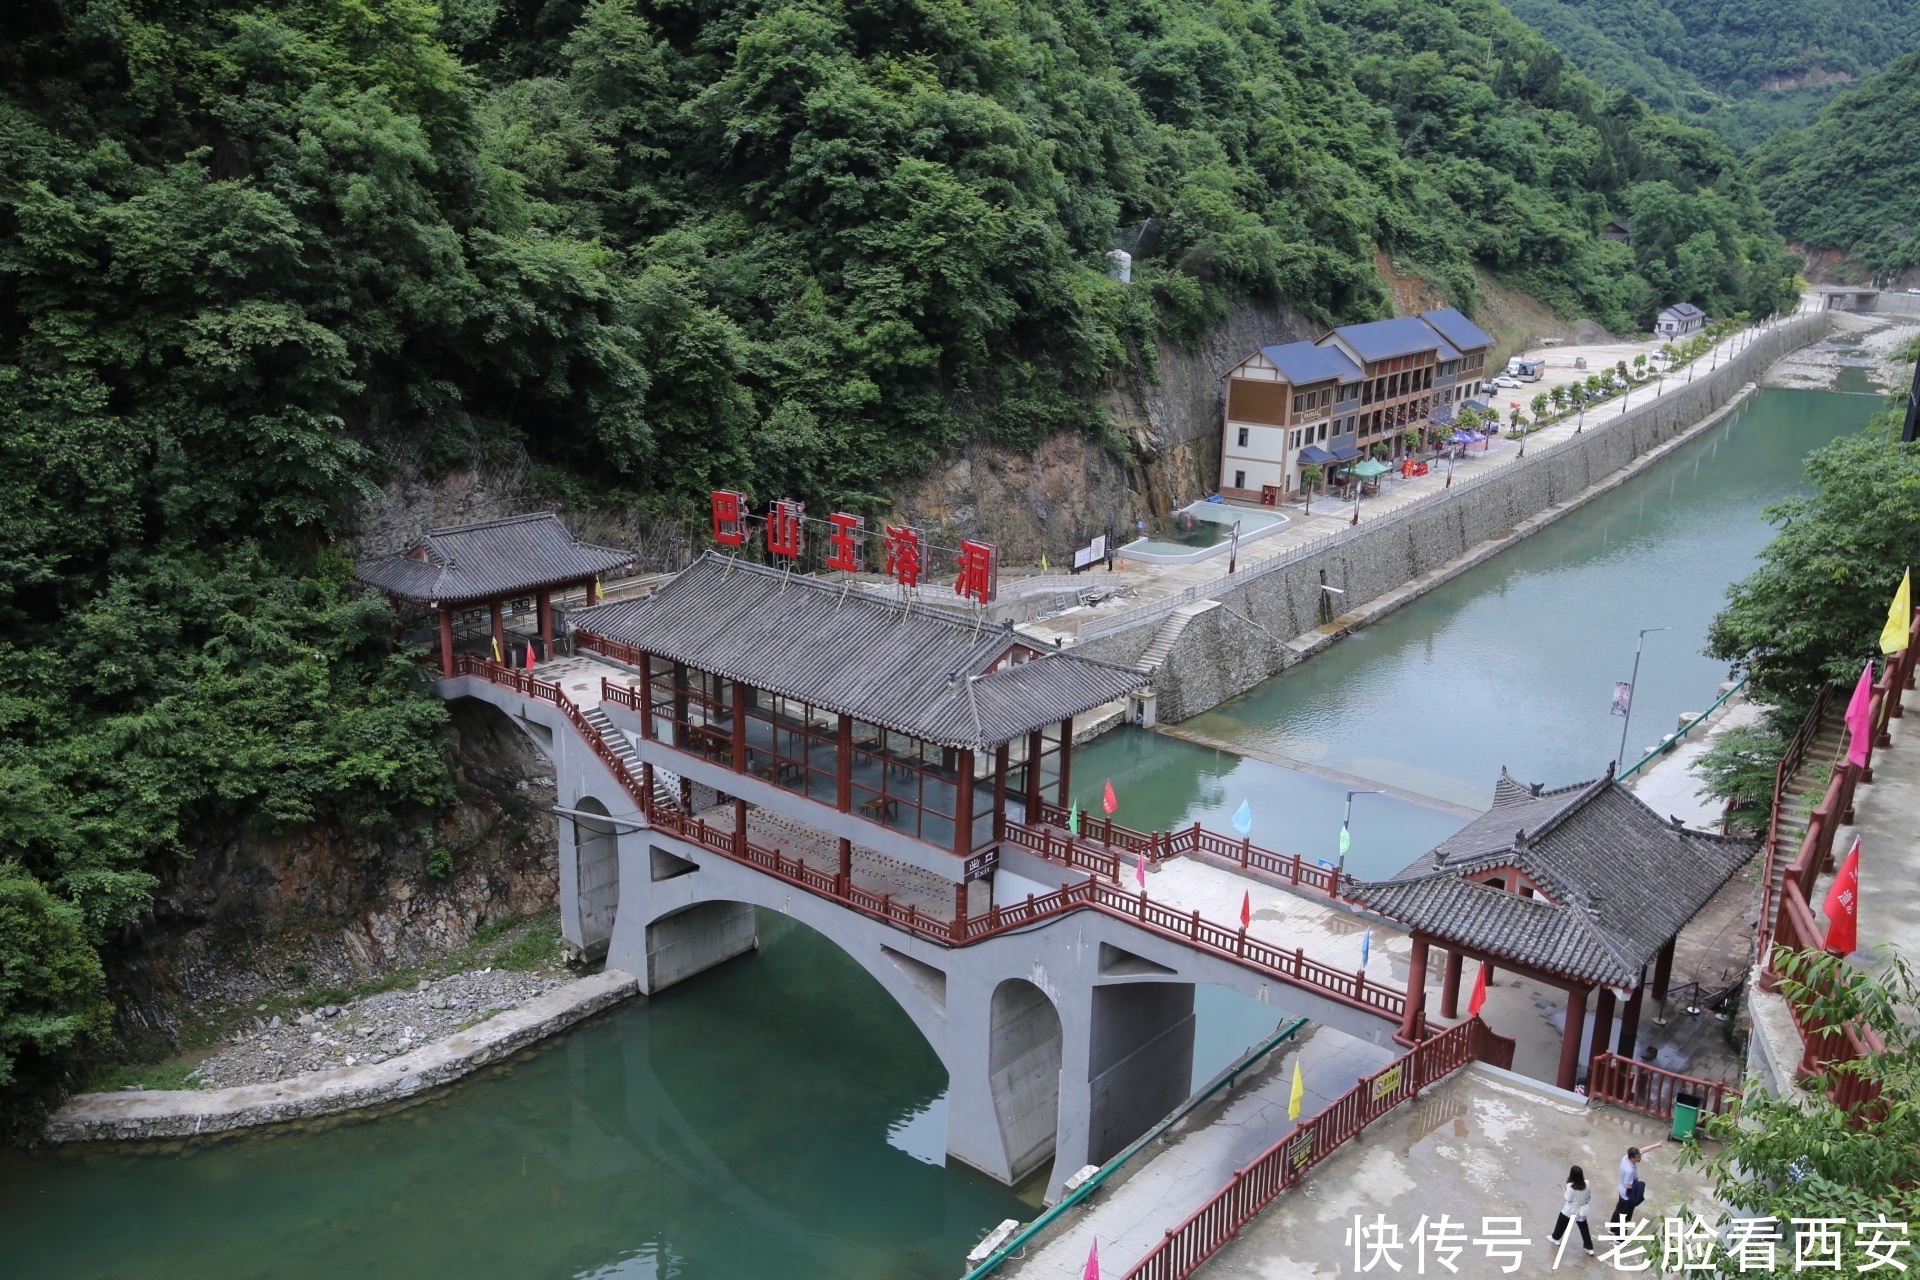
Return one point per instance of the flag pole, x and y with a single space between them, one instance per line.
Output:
1633 690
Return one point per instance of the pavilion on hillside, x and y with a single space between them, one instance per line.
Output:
519 559
1578 887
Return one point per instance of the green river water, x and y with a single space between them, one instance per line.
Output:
779 1117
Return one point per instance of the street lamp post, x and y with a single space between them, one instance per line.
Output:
1633 689
1346 820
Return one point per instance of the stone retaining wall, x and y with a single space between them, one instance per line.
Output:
183 1113
1271 622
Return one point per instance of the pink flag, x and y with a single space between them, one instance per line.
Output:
529 655
1109 801
1140 871
1843 905
1858 730
1093 1263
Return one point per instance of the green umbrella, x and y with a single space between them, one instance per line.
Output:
1369 469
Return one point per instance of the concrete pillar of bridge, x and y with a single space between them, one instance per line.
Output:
499 631
1416 990
1630 1022
1004 1052
1570 1039
1450 985
446 642
1663 971
1602 1027
1139 1062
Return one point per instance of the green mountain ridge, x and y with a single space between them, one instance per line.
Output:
257 258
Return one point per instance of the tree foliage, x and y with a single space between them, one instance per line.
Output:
1813 610
1803 1158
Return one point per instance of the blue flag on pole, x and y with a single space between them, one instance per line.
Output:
1243 818
1366 947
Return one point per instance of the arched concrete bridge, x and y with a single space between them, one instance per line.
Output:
1063 1016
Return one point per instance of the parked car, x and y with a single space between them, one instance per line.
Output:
1504 381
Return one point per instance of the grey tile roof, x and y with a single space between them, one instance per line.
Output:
1385 339
1619 881
1683 311
1457 329
920 670
1304 362
464 563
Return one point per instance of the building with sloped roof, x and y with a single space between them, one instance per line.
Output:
1331 402
488 564
1581 887
1680 320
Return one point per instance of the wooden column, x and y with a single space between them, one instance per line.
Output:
1450 985
1570 1039
963 806
646 694
546 626
1036 743
446 641
1602 1026
739 826
1630 1023
1066 759
844 797
1663 971
646 788
593 592
1002 761
499 630
1416 989
739 727
846 864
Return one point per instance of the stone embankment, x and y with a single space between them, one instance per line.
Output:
1273 619
352 1085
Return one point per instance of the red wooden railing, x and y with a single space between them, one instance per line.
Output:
1352 988
1650 1090
1826 1045
1182 1250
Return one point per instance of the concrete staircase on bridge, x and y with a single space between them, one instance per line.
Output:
666 785
1169 634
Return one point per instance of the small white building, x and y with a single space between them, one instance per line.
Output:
1679 320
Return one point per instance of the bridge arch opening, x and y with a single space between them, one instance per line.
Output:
596 851
1023 1066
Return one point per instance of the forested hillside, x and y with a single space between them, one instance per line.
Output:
1744 68
257 257
1851 179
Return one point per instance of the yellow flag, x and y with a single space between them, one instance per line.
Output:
496 652
1299 1092
1899 617
1043 562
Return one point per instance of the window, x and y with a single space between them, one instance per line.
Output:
1323 431
1239 479
1326 398
1296 404
1242 441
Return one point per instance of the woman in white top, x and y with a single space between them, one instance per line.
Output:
1573 1208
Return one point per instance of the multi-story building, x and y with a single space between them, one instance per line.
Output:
1328 403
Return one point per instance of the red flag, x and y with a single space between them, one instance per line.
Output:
1246 909
1109 801
1859 732
529 655
1843 905
1478 1000
1093 1263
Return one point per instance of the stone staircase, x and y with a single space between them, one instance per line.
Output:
1169 634
666 783
1804 789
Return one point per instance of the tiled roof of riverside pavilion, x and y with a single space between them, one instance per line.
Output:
490 560
1617 880
919 670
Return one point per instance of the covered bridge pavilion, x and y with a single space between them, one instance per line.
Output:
1581 888
463 567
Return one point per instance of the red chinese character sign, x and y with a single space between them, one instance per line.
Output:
849 534
903 554
979 571
786 535
729 519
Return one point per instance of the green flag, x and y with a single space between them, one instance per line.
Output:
1346 841
1073 818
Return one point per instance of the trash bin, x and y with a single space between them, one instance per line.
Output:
1686 1116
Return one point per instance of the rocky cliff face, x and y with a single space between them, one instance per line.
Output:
252 908
1162 451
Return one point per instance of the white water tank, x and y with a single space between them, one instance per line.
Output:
1120 265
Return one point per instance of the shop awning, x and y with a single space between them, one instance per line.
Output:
1345 452
1314 454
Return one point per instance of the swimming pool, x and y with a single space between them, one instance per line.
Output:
1201 530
